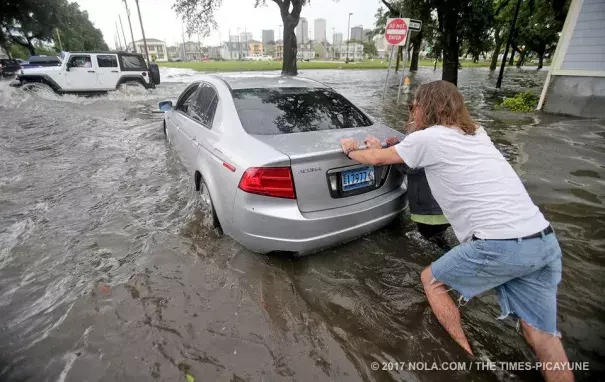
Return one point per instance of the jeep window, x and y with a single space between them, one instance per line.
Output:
107 61
80 61
133 63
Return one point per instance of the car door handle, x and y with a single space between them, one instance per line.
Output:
114 71
91 71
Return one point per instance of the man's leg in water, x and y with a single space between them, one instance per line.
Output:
444 308
548 348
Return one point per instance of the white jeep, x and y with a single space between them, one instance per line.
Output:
92 72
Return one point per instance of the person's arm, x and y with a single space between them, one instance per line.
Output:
374 154
376 157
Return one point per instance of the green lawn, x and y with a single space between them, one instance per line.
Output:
245 66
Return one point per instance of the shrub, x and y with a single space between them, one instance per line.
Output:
521 102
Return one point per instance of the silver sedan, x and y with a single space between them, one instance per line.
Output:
264 153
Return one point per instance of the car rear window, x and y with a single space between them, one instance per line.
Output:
273 111
8 62
133 62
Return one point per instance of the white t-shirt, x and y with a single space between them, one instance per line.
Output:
478 191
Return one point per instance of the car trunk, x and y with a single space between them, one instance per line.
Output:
319 168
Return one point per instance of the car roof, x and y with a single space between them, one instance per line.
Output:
256 80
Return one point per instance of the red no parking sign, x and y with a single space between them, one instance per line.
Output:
396 31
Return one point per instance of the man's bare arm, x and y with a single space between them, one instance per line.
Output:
376 157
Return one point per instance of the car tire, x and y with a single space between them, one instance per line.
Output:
206 198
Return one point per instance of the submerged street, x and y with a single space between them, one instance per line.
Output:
107 272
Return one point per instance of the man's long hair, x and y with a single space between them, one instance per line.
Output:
441 103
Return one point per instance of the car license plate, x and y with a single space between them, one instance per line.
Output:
358 178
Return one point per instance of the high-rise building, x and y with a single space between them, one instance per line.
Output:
320 30
356 33
302 31
268 35
337 39
367 35
245 36
234 38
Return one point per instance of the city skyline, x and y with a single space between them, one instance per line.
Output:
161 22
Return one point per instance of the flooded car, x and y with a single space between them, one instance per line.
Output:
109 272
264 153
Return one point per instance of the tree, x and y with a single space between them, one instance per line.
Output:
369 48
25 21
446 34
77 31
477 25
199 17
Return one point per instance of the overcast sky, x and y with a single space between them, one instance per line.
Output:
161 22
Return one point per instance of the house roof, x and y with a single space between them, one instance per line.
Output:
149 40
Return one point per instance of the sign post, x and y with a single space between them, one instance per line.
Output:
395 34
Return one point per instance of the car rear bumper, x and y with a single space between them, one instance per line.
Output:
264 224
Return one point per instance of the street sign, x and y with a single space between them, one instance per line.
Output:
396 31
415 25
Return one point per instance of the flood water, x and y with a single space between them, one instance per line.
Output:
107 274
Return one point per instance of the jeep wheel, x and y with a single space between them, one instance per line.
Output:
36 87
131 85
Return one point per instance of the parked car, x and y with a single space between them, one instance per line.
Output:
92 72
9 67
264 154
41 62
21 62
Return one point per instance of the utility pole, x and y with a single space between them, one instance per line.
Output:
333 43
229 44
247 45
118 33
183 50
142 32
508 43
123 34
134 47
59 39
348 36
239 43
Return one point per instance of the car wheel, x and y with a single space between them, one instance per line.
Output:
212 218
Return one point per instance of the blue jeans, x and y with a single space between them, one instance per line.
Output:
525 273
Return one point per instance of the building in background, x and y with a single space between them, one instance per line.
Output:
234 38
302 31
320 30
214 52
156 49
337 39
191 51
381 45
355 51
356 33
575 83
268 36
234 51
255 47
245 36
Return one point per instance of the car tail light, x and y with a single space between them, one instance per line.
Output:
269 181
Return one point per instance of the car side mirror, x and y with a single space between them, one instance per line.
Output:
68 66
165 105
